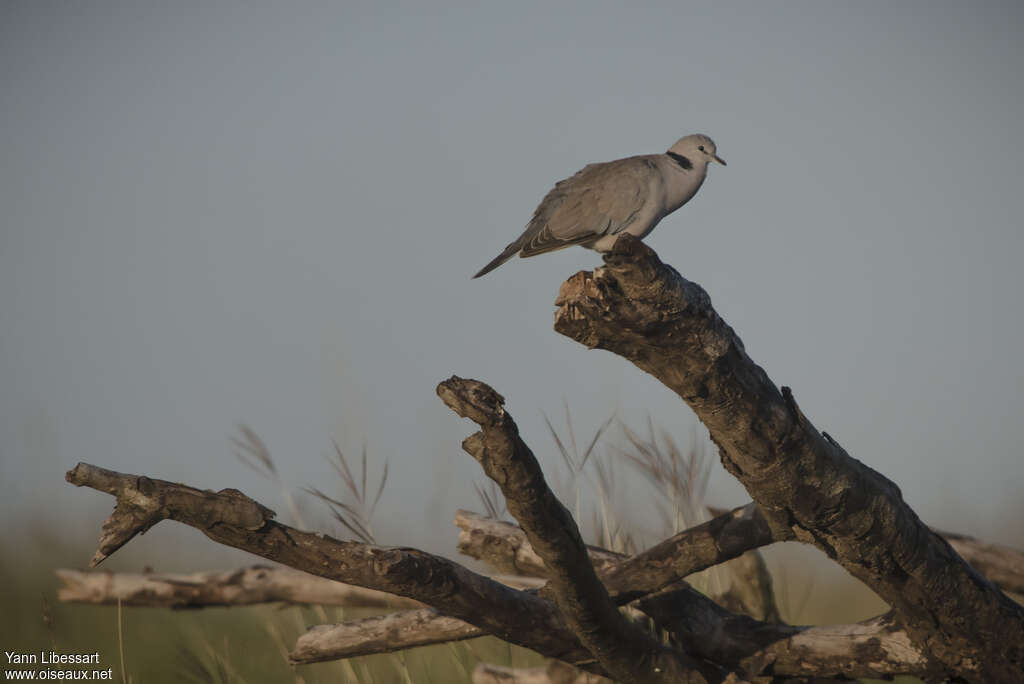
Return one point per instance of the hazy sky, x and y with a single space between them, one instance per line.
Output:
217 213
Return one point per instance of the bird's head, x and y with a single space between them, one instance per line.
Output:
697 148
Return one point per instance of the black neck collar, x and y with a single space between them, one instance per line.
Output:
684 162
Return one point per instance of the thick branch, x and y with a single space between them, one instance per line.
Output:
646 312
229 517
873 648
625 650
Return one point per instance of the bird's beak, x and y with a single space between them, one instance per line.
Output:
719 159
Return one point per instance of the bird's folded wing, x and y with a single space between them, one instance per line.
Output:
601 199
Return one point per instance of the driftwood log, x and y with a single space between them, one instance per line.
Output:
947 620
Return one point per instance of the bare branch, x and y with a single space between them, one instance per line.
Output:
552 673
241 587
504 546
624 649
380 634
644 311
720 539
231 518
873 648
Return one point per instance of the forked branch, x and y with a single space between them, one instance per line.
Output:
231 518
625 650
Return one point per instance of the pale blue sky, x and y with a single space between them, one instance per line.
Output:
269 213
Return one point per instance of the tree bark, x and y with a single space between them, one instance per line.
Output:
641 309
229 517
380 634
625 650
242 587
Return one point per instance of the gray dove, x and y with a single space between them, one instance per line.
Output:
601 201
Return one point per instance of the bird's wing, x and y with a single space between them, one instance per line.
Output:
601 199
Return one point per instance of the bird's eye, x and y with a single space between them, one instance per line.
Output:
701 148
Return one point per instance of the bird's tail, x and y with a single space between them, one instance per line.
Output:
497 261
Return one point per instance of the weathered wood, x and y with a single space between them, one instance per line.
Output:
245 586
552 673
875 648
537 625
242 587
625 650
504 546
231 518
380 634
730 540
641 309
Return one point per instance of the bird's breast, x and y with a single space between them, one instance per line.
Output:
682 187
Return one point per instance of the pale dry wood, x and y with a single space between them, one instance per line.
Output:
504 546
379 634
552 673
241 587
245 586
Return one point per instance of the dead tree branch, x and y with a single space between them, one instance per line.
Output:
231 518
504 547
416 575
380 634
727 539
642 310
625 650
552 673
875 648
242 587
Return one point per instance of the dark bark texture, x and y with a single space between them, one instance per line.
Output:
641 309
624 649
233 519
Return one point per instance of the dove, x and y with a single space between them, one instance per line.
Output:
604 200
